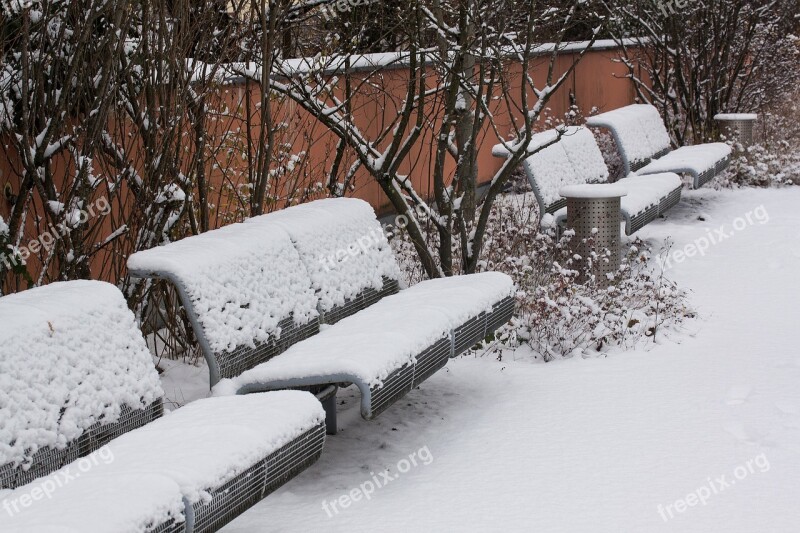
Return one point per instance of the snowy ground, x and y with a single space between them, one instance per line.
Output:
705 425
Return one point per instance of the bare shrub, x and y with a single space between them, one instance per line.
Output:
557 317
775 158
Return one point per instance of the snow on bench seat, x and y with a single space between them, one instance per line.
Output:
95 502
697 160
190 457
371 346
342 261
576 160
342 245
244 288
645 147
74 364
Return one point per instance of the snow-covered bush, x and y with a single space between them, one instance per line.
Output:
775 158
764 166
556 315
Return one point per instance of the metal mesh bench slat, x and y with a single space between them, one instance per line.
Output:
42 463
242 492
292 333
234 362
661 153
555 206
705 177
644 218
640 164
468 334
501 313
670 201
431 360
47 461
390 286
171 526
722 164
230 500
294 461
397 385
287 462
341 312
100 434
363 300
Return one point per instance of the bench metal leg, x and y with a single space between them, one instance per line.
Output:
329 404
326 394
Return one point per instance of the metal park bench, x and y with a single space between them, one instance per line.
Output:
257 292
83 444
575 159
645 147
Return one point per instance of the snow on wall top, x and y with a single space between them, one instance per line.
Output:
232 72
342 245
242 280
70 353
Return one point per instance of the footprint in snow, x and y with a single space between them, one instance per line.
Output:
738 395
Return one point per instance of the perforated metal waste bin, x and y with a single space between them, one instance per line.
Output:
593 212
737 126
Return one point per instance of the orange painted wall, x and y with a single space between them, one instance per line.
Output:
597 82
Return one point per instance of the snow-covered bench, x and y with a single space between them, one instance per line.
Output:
257 293
645 147
575 159
84 446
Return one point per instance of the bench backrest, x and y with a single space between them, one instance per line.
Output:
639 132
345 251
244 288
75 373
574 160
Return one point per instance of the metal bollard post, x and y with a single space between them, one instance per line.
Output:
593 212
737 126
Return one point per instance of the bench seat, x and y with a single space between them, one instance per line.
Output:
82 418
391 346
193 470
699 161
647 198
645 145
575 159
131 503
311 297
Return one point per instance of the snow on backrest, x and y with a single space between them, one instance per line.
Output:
653 127
71 354
242 280
342 245
550 168
584 154
629 130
